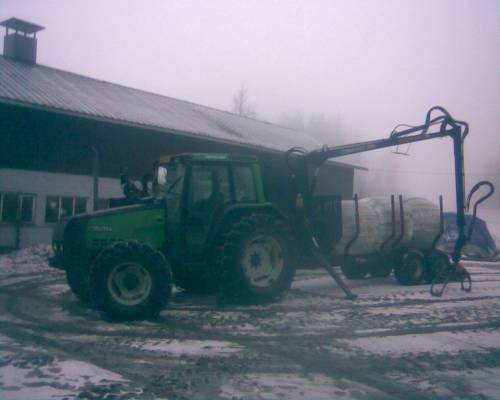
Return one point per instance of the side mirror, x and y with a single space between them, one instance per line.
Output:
162 176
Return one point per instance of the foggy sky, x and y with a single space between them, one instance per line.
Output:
371 64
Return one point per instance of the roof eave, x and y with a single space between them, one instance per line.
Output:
196 135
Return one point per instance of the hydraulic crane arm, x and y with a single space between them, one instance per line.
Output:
447 126
435 127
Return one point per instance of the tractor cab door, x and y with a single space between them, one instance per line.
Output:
209 190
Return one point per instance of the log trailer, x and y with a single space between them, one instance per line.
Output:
208 226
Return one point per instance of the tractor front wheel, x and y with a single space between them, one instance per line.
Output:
130 280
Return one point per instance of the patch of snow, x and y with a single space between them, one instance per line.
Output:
79 372
5 340
27 372
55 379
294 387
481 383
178 348
430 308
56 289
439 342
29 260
484 381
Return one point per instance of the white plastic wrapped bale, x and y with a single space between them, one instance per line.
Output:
382 206
425 220
372 230
421 224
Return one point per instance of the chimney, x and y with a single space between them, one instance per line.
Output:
20 40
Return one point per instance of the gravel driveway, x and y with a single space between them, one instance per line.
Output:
393 342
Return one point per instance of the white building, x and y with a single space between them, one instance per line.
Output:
31 202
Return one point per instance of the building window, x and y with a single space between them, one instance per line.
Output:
58 207
80 205
103 204
17 207
27 206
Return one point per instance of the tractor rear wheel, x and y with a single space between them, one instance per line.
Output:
410 269
254 263
130 280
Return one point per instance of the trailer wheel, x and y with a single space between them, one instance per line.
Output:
78 281
254 263
130 280
380 267
354 270
437 264
411 268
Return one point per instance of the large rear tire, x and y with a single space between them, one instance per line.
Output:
130 280
255 262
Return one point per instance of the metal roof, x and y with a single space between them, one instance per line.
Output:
65 92
21 25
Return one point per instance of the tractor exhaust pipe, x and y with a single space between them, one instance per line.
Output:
95 173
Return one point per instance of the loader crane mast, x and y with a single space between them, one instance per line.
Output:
438 126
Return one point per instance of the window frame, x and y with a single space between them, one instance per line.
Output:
20 196
73 206
209 164
233 182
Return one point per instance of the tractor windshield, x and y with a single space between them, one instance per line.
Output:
170 179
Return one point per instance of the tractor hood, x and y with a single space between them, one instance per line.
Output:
93 231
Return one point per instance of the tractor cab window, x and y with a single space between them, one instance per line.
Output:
170 182
209 189
169 179
244 185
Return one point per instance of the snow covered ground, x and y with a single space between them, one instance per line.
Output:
392 342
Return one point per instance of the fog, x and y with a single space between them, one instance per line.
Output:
365 66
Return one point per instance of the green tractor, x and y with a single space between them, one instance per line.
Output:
206 227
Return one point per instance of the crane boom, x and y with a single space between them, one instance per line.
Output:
435 127
447 127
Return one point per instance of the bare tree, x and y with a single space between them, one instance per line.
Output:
241 105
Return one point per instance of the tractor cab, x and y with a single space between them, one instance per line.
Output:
198 191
